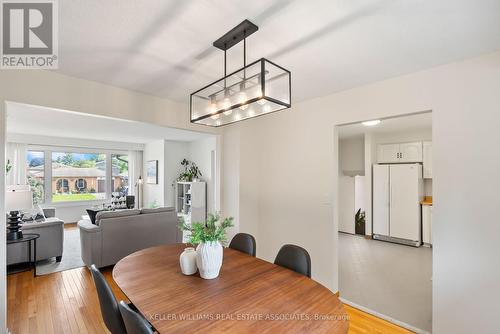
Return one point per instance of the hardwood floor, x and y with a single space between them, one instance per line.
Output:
66 302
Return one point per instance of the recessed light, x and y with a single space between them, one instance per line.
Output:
371 123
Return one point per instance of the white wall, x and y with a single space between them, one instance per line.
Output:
352 156
169 155
346 204
175 152
296 176
200 152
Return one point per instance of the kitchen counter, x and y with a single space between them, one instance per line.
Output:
427 200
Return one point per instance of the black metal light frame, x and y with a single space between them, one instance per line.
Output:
233 37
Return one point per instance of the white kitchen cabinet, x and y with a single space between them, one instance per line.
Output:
427 158
410 152
388 153
399 153
427 224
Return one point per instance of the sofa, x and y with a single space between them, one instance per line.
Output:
117 234
49 245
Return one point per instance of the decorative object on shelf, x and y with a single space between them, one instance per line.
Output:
259 88
152 172
360 222
209 237
190 173
188 261
17 198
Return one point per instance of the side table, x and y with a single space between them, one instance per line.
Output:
29 238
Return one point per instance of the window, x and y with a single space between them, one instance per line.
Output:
78 176
35 161
119 174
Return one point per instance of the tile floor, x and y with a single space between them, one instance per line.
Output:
391 279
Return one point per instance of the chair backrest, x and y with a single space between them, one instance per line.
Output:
134 322
109 306
244 242
294 258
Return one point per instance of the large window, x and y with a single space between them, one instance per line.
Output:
119 174
35 174
78 176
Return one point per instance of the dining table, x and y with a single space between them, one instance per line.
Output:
250 295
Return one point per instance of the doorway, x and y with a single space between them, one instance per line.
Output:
385 221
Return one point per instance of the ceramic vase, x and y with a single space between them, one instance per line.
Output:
188 261
209 259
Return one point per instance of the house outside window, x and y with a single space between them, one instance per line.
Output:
120 174
83 175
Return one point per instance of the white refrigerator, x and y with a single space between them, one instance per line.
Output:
397 192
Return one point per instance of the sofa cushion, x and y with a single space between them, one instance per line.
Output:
157 210
114 214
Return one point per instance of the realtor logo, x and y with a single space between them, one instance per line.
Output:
29 34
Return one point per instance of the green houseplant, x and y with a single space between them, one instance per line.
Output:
191 171
360 222
209 237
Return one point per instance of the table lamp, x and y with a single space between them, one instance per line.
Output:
17 198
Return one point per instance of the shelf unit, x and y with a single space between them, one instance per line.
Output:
191 202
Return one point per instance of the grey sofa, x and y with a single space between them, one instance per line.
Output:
50 243
117 234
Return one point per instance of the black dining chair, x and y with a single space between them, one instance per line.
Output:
244 242
109 306
134 322
294 258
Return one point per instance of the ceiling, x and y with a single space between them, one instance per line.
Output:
417 122
164 47
35 120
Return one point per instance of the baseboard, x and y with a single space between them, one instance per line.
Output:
384 317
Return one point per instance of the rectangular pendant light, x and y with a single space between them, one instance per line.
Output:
257 89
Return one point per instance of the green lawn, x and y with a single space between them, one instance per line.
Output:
73 197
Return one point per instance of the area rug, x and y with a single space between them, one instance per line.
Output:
71 255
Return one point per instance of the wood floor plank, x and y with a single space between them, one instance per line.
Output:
66 302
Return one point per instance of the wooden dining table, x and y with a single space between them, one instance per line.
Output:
250 295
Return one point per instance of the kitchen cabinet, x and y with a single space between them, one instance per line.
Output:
427 224
399 153
427 159
388 153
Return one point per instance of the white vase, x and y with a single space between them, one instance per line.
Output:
209 259
188 261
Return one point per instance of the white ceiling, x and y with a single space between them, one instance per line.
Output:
164 47
417 122
35 120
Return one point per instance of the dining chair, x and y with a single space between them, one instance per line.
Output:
134 322
244 242
294 258
109 306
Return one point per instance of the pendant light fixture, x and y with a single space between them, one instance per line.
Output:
257 89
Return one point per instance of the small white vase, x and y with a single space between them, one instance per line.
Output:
209 259
188 261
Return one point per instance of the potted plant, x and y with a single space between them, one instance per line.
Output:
209 237
190 173
360 222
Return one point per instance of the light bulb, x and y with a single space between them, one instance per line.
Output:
212 108
228 112
237 117
251 113
266 108
226 103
